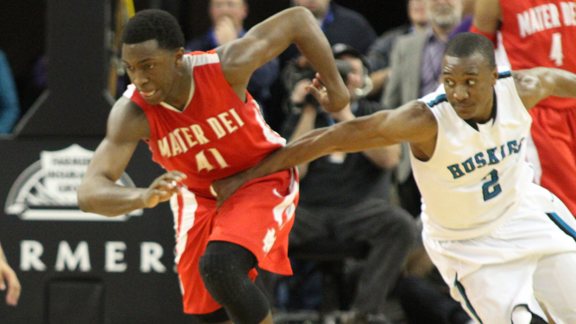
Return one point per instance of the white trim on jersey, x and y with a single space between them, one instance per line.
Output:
187 208
129 91
270 135
203 59
287 205
534 159
500 52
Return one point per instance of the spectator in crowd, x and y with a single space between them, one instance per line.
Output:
379 51
7 276
344 196
9 106
227 18
415 72
541 33
340 25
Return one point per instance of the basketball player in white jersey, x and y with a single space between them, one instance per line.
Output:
501 242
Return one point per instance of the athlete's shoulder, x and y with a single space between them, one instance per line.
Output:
128 120
419 113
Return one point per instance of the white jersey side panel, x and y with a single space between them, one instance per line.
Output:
475 178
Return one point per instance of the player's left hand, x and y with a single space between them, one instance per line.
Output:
7 275
329 100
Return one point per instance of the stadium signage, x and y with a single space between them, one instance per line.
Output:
47 189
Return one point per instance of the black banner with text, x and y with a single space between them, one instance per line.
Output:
54 247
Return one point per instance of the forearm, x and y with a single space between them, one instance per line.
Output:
104 197
487 15
564 82
313 44
347 137
305 125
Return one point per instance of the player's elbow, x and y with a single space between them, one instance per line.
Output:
301 14
300 21
83 200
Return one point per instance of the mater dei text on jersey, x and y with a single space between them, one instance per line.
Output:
545 17
180 140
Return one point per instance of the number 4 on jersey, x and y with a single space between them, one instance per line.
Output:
556 54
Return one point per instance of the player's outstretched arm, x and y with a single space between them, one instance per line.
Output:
538 83
98 192
271 37
8 276
487 15
413 123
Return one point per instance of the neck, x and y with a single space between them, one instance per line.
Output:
420 27
182 88
490 111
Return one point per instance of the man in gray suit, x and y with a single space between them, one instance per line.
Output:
415 71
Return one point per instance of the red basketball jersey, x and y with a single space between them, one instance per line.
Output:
215 136
540 33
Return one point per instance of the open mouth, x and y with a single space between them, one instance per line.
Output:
147 94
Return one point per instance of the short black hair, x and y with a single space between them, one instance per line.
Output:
154 24
466 44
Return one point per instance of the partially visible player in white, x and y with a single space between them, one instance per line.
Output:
501 242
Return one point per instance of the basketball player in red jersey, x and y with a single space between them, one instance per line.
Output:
201 125
541 33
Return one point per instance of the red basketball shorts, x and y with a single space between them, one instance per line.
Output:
258 216
554 135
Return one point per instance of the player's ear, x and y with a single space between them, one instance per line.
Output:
178 56
494 75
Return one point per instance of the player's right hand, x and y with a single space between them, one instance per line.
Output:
7 275
162 188
224 188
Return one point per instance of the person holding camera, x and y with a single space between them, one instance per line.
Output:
344 196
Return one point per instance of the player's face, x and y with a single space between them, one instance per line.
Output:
469 84
445 13
151 69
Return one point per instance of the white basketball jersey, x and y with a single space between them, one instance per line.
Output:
475 178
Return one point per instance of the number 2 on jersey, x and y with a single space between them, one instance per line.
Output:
491 188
